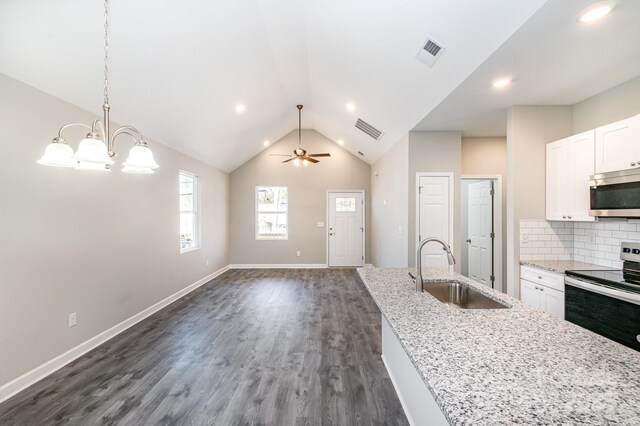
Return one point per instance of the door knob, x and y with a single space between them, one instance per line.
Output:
633 163
569 217
469 240
564 217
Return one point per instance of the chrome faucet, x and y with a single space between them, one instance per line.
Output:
445 247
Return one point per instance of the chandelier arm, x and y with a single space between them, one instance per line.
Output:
125 130
66 126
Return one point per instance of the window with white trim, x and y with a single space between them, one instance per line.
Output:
189 216
271 212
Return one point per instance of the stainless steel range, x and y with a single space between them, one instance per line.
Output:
607 302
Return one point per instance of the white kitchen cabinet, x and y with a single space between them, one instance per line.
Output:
543 290
618 145
570 163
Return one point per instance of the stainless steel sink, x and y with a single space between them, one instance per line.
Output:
461 295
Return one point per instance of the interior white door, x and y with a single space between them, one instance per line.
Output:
434 213
479 238
346 229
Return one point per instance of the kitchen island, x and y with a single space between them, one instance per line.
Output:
503 366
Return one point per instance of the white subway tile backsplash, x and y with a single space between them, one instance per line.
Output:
591 242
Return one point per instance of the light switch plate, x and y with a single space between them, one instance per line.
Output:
320 224
73 319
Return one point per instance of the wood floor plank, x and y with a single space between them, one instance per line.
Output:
267 347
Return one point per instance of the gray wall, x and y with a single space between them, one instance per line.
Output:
307 200
390 200
104 245
486 156
615 104
529 129
434 152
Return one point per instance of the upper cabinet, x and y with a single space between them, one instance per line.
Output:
618 145
570 162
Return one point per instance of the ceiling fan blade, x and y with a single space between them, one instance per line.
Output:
324 154
311 159
290 159
280 155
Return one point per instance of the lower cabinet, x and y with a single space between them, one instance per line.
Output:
543 290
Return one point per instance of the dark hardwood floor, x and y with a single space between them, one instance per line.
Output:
273 347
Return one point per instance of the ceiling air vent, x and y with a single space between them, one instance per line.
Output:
369 129
430 51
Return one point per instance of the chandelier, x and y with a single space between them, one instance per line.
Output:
96 151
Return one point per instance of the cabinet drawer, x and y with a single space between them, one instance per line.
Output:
539 276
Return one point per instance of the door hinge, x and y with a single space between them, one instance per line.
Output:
492 192
492 235
492 278
419 189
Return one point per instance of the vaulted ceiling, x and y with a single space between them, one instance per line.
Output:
179 68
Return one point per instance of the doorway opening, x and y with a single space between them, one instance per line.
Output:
481 229
345 233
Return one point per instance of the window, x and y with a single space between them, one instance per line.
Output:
189 218
271 212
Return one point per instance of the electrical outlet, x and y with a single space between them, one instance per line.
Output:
207 262
298 253
524 238
73 319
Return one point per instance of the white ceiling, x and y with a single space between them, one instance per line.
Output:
179 68
553 60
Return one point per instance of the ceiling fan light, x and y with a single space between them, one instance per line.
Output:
296 162
93 150
140 157
305 162
58 154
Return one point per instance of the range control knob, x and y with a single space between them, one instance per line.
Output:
635 251
626 250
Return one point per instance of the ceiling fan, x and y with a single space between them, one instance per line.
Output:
299 154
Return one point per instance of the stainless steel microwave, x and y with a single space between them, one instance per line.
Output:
615 194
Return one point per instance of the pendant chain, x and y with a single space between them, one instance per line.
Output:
106 52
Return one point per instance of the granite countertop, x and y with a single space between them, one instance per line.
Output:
561 266
505 366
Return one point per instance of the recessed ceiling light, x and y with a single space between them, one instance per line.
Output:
240 108
350 107
266 143
596 11
501 82
340 142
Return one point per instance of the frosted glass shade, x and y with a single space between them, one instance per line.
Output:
93 167
93 150
140 160
132 169
58 154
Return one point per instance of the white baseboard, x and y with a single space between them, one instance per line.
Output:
277 266
43 370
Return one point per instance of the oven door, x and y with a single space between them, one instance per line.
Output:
615 194
612 313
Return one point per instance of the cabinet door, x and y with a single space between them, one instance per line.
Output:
552 301
616 146
556 180
530 294
581 163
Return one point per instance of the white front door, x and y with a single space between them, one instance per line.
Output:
434 217
479 239
346 229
